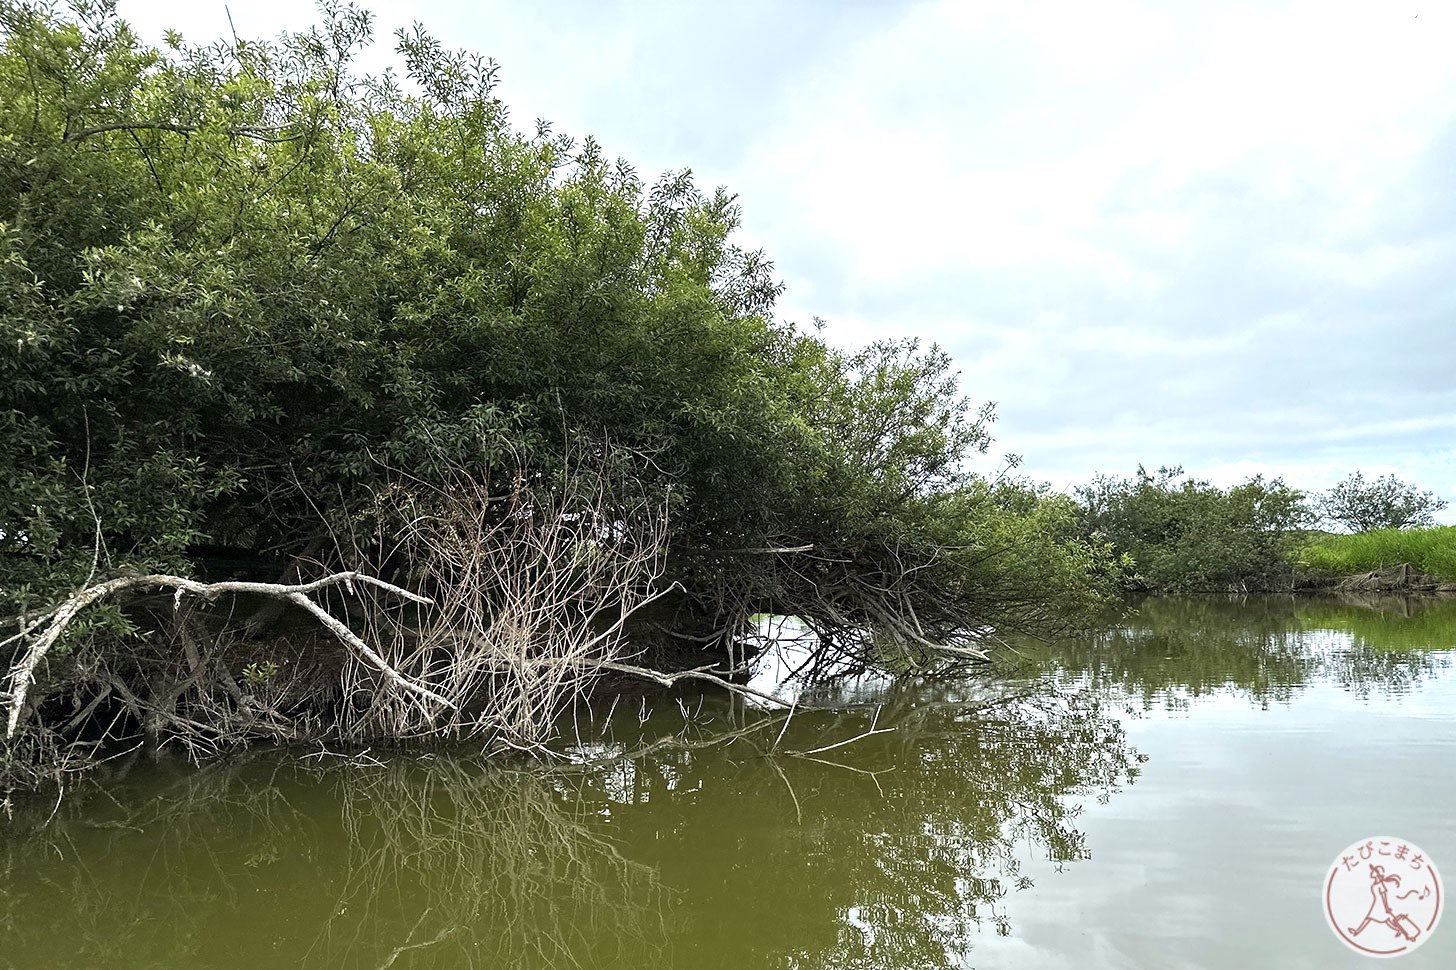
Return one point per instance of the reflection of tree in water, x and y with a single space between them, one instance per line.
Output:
887 852
517 870
1386 622
890 852
434 864
1170 651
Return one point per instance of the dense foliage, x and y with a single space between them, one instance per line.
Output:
1381 503
1175 533
1180 534
242 288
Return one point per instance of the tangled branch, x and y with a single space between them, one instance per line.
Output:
47 629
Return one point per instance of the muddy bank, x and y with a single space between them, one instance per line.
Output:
1404 578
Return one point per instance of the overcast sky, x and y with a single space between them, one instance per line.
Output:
1221 235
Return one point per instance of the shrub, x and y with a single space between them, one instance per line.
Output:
1180 534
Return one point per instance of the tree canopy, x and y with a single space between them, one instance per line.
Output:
1362 505
244 287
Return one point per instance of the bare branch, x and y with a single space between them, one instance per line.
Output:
22 673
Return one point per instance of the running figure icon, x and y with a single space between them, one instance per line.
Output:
1382 897
1380 911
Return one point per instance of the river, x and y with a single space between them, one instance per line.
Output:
1169 793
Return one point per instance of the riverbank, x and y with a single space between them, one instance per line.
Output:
1404 578
1382 558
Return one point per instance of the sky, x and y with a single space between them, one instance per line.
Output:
1216 235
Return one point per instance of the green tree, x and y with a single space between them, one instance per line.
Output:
246 290
1183 534
1382 503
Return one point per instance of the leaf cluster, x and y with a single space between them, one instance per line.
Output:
1178 533
241 284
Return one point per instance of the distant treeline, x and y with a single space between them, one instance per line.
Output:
1172 532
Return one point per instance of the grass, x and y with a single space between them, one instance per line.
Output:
1429 550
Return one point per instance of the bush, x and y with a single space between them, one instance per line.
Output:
241 287
1180 534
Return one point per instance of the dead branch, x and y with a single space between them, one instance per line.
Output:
873 730
22 673
697 673
533 586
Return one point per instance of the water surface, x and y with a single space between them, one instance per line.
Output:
1167 794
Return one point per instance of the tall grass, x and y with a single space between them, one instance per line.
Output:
1429 550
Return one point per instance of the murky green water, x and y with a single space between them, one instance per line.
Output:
1167 795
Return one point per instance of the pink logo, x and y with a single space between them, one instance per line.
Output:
1383 897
